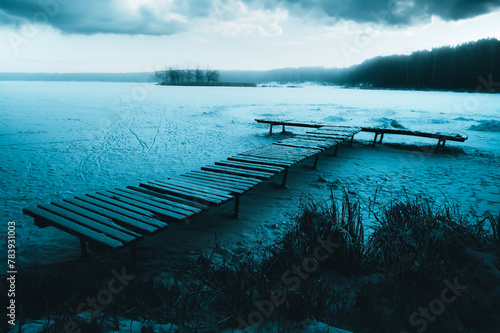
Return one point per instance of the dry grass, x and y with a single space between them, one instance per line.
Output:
399 268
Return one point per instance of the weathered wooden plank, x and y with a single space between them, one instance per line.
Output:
331 132
73 228
189 210
338 128
330 142
265 161
277 151
91 224
106 220
233 189
204 191
147 202
230 184
206 200
237 171
196 187
226 183
289 123
298 145
237 179
123 211
301 143
441 136
266 154
251 166
328 135
126 221
132 208
142 205
325 137
182 201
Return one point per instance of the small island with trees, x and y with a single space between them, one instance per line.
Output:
188 76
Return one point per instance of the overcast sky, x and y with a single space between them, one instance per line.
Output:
144 35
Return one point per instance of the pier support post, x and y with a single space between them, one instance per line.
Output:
236 207
316 161
440 144
285 176
352 139
283 129
270 129
381 137
336 150
375 138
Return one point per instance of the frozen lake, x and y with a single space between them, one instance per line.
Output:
62 138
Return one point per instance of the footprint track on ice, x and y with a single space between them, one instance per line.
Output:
112 137
144 145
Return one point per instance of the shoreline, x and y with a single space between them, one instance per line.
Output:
209 84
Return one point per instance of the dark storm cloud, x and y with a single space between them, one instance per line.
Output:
388 12
164 17
96 16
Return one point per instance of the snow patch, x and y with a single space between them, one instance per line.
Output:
389 123
464 119
438 121
486 126
334 119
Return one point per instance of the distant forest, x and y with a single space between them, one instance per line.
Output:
463 67
467 67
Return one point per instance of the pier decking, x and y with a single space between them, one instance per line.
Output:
115 218
442 137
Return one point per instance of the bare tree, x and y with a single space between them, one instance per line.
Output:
188 73
174 74
211 75
198 74
161 76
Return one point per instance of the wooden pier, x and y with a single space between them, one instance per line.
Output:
379 132
119 217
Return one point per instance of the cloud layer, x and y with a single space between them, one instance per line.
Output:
164 17
391 12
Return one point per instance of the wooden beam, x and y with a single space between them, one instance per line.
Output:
316 158
182 201
137 225
451 137
73 228
236 207
91 224
285 176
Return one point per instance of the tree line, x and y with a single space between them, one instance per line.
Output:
462 67
175 75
